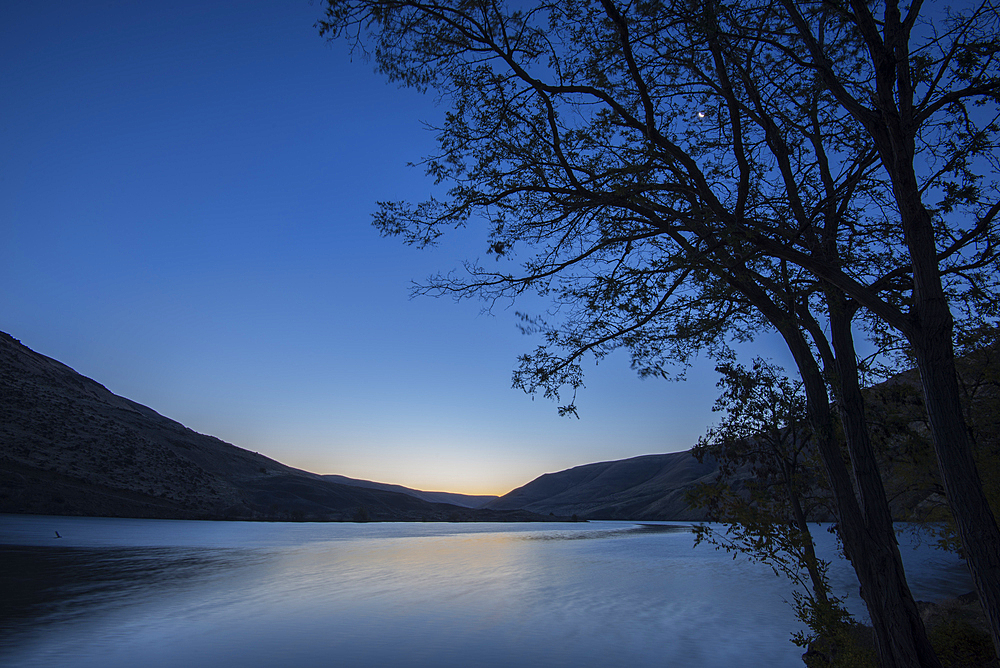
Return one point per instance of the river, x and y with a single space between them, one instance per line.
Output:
161 593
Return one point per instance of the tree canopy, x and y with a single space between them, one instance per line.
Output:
674 175
767 489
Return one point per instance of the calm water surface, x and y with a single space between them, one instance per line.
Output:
156 593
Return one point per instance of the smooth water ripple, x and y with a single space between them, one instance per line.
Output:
155 593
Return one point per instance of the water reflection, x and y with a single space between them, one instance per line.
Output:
595 532
201 594
53 586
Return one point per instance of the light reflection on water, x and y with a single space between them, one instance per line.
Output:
171 593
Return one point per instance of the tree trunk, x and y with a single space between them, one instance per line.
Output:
893 126
812 562
905 628
932 344
899 633
963 487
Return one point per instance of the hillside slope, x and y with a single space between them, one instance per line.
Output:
69 446
463 500
651 487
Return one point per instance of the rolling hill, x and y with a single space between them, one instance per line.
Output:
651 487
69 446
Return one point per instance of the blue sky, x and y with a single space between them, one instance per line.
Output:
187 190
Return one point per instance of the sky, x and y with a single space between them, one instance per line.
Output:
187 190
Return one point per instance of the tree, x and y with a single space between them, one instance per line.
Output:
667 165
765 490
907 98
765 484
901 429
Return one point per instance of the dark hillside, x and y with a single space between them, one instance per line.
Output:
463 500
651 487
68 446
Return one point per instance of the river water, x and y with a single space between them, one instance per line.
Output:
157 593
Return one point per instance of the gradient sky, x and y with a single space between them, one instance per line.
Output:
186 195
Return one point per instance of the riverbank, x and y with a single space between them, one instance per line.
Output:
957 628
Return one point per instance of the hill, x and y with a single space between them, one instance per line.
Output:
455 499
651 487
69 446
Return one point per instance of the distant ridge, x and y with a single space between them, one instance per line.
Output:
464 500
653 487
68 446
650 487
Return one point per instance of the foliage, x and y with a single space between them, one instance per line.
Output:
836 641
621 157
902 435
764 493
765 490
673 175
754 444
765 434
959 644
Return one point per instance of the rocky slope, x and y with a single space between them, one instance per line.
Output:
68 446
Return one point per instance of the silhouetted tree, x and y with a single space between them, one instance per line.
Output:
767 488
925 94
675 173
901 429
